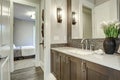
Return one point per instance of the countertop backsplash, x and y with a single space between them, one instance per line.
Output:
59 45
98 43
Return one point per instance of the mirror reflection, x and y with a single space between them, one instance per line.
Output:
87 22
91 14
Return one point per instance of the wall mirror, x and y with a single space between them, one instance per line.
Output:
90 14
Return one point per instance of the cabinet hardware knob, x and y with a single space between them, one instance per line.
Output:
83 66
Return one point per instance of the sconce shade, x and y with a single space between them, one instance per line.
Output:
59 15
73 18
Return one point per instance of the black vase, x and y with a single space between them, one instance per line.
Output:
109 45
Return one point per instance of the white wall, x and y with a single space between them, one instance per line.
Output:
104 12
76 29
23 32
111 14
59 30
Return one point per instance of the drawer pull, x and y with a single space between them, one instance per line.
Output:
83 66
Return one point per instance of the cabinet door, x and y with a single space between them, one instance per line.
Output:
60 65
55 64
97 72
65 67
75 69
5 22
52 62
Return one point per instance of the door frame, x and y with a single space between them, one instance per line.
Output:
37 29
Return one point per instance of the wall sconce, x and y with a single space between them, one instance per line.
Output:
59 15
74 18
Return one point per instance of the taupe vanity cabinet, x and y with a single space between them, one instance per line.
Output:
75 68
66 67
99 72
59 67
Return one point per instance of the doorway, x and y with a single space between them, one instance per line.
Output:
25 37
87 22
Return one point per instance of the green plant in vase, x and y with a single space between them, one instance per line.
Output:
111 31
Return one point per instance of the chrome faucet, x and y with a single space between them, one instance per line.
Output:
86 43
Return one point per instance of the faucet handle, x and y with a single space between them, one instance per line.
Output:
92 46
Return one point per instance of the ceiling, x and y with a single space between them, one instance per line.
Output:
23 12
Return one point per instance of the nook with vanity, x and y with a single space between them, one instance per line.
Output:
86 61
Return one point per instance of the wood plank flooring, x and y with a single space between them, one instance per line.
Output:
28 74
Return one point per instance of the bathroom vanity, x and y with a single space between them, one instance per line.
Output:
68 65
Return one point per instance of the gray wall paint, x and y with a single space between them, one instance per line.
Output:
23 32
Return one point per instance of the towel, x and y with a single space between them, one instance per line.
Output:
99 51
28 50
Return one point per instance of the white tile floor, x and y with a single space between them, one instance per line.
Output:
20 64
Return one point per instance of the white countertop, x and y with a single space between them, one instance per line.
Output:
111 61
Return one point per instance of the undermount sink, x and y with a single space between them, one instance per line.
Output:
81 51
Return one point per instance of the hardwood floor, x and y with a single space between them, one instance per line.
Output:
25 63
28 74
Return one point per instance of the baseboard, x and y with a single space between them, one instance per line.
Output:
39 64
42 65
52 77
